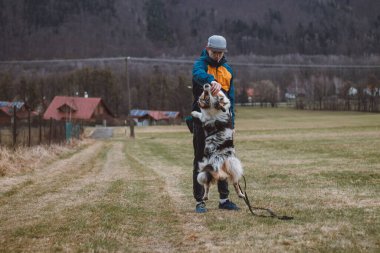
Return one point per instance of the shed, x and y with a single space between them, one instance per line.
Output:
6 111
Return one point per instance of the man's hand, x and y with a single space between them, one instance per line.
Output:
215 88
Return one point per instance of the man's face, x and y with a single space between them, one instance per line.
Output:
215 55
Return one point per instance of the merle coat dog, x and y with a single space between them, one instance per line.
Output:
220 161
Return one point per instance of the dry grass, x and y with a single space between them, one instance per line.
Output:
25 159
135 195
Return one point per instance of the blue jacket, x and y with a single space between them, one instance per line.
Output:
206 70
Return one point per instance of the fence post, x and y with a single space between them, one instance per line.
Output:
50 130
14 132
40 130
131 127
29 129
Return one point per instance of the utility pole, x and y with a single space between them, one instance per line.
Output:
130 120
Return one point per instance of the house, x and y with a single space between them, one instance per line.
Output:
87 109
22 111
150 117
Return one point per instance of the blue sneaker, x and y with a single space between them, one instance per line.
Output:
201 207
229 205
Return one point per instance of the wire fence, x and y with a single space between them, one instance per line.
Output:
33 131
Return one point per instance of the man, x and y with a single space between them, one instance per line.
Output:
211 68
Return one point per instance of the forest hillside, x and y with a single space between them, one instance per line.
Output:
47 29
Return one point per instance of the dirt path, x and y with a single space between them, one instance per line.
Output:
103 180
196 236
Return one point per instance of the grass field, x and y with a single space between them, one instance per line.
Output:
135 195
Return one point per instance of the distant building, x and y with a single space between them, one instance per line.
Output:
352 91
6 111
150 117
87 109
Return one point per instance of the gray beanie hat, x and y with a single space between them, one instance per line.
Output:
217 43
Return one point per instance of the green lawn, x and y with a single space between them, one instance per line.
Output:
321 167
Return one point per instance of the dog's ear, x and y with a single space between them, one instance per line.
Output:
221 103
219 106
221 100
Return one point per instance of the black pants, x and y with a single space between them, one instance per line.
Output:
199 146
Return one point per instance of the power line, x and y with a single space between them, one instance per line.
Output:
262 65
184 61
136 59
310 66
65 60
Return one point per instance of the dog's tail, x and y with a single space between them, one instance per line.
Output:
203 178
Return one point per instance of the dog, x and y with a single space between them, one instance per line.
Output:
219 161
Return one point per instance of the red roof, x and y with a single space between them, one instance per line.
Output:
63 107
6 108
156 115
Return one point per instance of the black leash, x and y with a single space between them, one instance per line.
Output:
251 208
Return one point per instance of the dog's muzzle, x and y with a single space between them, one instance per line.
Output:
204 99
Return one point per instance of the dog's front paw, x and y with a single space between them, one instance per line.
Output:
196 114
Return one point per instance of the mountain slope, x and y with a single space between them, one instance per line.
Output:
45 29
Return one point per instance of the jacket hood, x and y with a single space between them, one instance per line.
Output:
206 57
